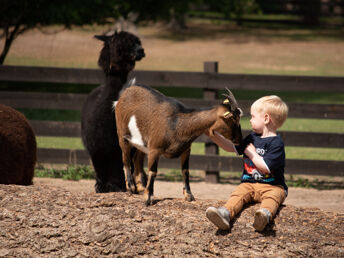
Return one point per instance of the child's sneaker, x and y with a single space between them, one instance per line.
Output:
261 219
219 217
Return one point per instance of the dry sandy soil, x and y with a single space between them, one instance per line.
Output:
47 220
326 200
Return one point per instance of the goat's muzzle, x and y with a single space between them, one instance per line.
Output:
236 134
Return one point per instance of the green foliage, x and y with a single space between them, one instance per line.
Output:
323 183
46 87
236 8
51 115
172 175
74 173
18 16
31 13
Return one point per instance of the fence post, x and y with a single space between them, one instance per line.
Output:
210 147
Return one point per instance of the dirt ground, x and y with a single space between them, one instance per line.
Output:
47 220
326 200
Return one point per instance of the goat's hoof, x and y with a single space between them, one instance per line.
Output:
189 198
140 188
149 201
132 189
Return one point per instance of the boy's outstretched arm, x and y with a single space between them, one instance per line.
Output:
222 142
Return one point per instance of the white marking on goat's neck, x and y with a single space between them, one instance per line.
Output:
132 82
136 137
114 105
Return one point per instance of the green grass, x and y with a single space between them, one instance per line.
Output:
198 149
51 115
291 152
305 125
72 143
288 96
293 96
46 87
76 173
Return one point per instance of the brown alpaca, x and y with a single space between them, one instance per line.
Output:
17 148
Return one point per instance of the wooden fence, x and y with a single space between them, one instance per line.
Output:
210 81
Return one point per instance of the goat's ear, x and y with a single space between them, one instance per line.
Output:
227 114
239 112
103 38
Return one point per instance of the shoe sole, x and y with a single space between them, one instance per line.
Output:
260 221
215 217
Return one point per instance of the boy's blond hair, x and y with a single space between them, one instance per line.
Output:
274 106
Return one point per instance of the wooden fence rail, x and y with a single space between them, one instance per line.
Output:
210 81
307 139
65 101
201 162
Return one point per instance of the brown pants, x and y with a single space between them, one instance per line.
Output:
270 197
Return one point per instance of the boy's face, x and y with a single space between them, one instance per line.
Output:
258 121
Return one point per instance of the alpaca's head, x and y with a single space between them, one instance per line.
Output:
120 52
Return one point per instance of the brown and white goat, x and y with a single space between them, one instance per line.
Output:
159 125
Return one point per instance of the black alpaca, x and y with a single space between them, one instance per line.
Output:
98 122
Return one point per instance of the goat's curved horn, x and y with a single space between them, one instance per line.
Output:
231 98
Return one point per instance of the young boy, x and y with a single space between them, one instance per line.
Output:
264 160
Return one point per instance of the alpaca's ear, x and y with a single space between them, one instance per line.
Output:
103 37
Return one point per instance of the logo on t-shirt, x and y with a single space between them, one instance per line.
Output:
249 166
261 152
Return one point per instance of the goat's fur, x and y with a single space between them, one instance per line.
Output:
18 150
158 125
98 124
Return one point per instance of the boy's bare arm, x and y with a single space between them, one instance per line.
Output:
222 142
257 160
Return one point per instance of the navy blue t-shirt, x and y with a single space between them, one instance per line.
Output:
272 151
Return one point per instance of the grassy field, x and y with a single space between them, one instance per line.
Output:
246 49
292 124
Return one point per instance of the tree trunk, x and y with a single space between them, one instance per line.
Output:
9 37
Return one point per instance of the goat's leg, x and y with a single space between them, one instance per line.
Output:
153 157
139 172
126 148
185 171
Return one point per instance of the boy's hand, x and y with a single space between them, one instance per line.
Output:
251 148
256 175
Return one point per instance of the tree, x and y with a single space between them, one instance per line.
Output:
233 8
18 16
310 10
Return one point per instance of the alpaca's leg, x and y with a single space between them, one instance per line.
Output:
109 172
185 170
